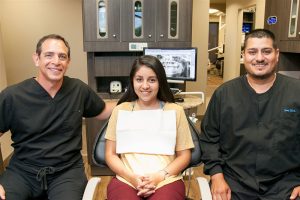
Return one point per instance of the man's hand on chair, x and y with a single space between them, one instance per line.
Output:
219 188
296 193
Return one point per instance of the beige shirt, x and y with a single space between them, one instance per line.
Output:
147 163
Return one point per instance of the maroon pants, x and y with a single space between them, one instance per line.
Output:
117 190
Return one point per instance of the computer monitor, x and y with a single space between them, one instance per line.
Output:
179 63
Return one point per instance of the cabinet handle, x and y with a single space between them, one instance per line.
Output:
161 35
149 36
114 35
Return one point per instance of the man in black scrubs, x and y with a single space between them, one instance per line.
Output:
251 130
44 115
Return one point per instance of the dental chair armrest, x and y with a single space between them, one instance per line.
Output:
90 188
204 188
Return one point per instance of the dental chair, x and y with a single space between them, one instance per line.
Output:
99 159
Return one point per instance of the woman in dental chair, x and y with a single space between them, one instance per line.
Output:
148 141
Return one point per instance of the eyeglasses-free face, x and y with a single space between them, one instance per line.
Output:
260 57
146 85
53 61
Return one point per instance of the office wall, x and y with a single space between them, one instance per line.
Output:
233 33
5 140
25 21
200 40
260 13
3 81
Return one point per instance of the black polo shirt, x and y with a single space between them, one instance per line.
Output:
254 138
47 131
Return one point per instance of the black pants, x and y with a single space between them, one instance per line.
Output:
66 184
279 190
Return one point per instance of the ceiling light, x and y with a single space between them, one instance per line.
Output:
213 11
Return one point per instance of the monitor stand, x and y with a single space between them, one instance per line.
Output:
176 81
176 86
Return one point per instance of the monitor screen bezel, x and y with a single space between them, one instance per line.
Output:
174 49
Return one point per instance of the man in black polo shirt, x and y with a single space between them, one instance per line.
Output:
251 130
44 115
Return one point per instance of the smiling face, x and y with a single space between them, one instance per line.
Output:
260 58
146 85
53 61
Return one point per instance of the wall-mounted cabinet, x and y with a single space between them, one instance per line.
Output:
101 21
156 21
174 20
139 20
110 25
283 19
287 26
290 31
273 16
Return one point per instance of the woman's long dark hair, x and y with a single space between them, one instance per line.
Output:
164 91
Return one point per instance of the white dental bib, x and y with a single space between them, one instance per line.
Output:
146 131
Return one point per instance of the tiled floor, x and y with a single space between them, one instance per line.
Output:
213 82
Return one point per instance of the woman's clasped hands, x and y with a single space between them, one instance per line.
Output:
146 184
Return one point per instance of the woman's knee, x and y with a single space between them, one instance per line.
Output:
172 191
117 190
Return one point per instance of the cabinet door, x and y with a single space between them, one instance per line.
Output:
291 25
174 20
137 20
290 29
274 9
101 20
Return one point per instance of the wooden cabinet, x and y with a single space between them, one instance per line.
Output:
162 20
174 20
111 25
91 29
274 9
138 20
287 28
290 30
104 67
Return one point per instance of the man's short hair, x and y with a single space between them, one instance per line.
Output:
261 33
51 36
